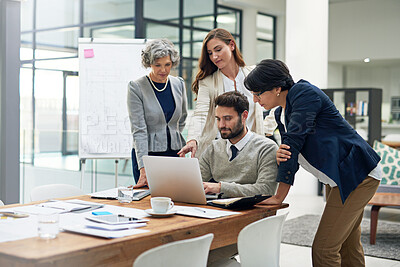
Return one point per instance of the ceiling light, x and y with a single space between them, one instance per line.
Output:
367 60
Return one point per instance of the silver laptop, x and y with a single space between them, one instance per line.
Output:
177 178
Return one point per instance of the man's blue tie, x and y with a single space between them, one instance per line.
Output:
234 152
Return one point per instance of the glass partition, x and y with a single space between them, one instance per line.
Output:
107 10
229 19
155 30
54 14
111 31
161 10
49 81
65 40
198 14
265 33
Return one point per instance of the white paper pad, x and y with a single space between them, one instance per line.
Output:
63 205
104 233
36 210
112 193
114 227
53 207
203 212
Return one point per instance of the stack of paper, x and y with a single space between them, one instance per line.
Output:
107 230
64 206
104 233
55 206
85 225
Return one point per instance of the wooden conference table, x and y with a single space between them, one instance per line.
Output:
70 249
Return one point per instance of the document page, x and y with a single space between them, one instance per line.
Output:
203 212
63 205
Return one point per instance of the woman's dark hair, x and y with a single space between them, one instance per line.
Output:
267 75
206 67
233 99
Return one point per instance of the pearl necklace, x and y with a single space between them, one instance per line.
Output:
159 90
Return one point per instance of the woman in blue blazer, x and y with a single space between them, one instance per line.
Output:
157 107
317 137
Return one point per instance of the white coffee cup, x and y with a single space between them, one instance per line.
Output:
161 204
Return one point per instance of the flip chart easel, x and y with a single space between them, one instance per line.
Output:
105 68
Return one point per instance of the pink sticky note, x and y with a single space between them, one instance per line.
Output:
88 53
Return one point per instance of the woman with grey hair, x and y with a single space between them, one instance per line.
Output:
157 107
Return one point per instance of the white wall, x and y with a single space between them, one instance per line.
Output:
359 29
249 51
307 41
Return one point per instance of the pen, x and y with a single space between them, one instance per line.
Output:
103 197
129 218
200 210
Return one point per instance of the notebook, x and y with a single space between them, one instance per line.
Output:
137 194
177 178
238 202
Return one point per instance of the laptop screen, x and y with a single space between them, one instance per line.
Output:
174 177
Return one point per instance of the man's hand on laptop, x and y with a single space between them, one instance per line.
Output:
191 146
212 188
142 182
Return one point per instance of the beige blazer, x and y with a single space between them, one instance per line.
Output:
203 127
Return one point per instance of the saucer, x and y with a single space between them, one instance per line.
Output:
155 214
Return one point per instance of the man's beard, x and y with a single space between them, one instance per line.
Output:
237 130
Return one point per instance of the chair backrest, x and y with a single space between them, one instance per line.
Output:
1 203
50 191
189 252
259 242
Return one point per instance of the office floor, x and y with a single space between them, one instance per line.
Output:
298 256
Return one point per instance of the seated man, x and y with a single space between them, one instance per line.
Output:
247 169
242 163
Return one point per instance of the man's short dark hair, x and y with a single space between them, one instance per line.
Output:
233 99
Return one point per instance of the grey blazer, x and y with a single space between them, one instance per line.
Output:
148 123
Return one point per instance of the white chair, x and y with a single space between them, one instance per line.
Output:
259 242
189 252
50 191
1 203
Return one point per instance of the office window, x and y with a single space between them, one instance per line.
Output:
265 36
27 15
112 31
62 13
155 30
161 10
49 58
26 52
65 40
64 64
26 111
48 110
229 19
198 14
107 10
264 50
